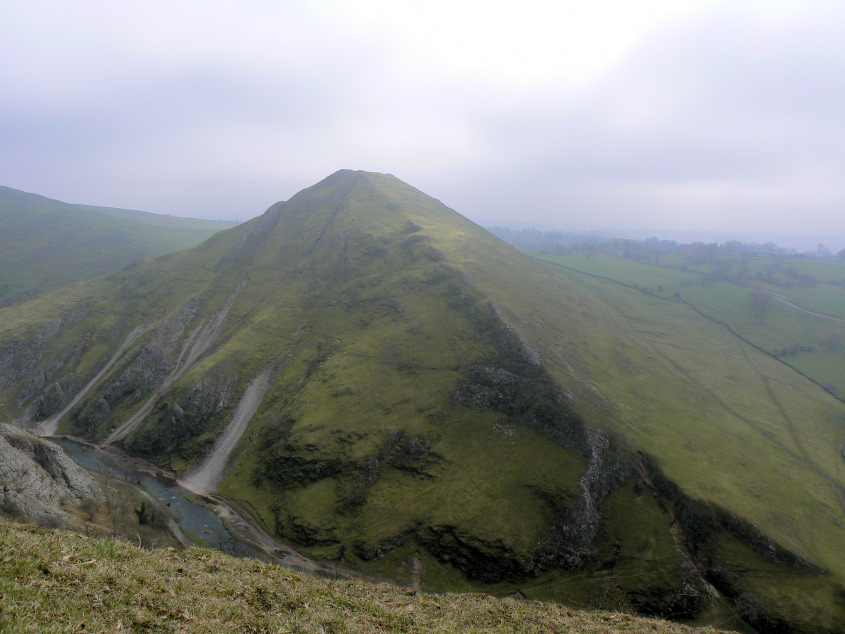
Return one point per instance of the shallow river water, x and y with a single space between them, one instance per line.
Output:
195 519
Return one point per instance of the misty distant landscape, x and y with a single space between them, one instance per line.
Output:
441 317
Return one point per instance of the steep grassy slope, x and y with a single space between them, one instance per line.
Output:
735 422
45 243
444 410
56 581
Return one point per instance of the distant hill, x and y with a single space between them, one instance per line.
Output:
46 243
385 384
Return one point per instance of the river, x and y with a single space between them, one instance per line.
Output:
198 521
198 516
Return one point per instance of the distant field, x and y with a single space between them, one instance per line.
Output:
812 344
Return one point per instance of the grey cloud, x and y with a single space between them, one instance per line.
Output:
730 118
751 109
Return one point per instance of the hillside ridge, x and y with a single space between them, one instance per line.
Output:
46 243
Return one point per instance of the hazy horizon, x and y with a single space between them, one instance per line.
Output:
663 118
799 242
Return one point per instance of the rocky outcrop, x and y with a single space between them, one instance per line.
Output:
575 534
194 346
214 393
146 370
19 358
529 396
52 399
66 402
196 414
38 480
153 362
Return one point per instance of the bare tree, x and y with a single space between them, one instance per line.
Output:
760 303
832 341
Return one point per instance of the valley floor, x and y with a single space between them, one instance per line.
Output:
57 581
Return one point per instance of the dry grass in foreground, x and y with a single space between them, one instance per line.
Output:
58 581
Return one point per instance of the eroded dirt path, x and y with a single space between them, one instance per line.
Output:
206 478
785 301
208 475
199 341
49 426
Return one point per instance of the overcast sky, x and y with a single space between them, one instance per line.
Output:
650 116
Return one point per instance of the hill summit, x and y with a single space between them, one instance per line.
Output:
387 385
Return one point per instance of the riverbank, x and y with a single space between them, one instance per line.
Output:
196 516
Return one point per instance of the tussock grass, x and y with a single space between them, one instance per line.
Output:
56 581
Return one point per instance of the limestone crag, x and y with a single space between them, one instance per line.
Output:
201 410
38 480
19 357
146 369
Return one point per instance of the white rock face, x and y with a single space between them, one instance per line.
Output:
37 478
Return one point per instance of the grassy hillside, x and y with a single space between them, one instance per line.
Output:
446 410
54 581
45 243
726 420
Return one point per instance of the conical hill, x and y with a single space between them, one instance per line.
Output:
385 384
